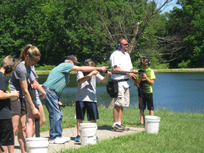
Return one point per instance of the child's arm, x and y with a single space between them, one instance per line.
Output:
105 79
85 78
151 82
4 95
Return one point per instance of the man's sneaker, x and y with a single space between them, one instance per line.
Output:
77 139
66 138
117 128
125 129
59 140
51 141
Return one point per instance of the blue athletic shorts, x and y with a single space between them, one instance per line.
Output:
90 107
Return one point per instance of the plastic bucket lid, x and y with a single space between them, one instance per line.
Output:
33 139
87 125
150 117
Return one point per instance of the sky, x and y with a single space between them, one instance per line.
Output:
168 6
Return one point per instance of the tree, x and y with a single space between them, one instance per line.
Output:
139 21
20 25
190 22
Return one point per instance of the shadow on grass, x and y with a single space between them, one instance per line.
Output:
104 127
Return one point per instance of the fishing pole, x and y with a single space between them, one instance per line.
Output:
141 104
121 72
37 122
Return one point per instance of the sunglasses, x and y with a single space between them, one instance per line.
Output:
125 44
35 61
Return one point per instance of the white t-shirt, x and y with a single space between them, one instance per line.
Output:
123 61
87 91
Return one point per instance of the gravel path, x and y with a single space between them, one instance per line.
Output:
103 132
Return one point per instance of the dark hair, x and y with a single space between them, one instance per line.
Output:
145 60
89 62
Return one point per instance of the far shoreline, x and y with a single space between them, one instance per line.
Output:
46 72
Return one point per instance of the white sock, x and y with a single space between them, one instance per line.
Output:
119 123
114 124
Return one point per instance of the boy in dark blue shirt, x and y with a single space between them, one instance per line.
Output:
6 129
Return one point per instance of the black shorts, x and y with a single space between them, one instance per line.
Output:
19 108
147 98
91 107
6 132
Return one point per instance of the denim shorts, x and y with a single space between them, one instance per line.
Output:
90 107
38 101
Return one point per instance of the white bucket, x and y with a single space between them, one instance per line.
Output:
152 124
88 133
37 145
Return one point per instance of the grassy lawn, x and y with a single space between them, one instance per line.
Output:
178 132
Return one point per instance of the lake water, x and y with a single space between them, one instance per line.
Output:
177 92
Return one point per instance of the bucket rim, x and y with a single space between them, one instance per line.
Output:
37 138
152 117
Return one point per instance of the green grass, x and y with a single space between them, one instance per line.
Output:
178 132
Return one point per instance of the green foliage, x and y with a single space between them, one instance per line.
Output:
61 28
184 64
45 67
1 59
190 21
160 66
107 63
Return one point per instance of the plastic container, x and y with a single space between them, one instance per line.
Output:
37 145
13 98
88 133
152 124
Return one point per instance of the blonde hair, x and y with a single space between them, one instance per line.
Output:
9 61
89 62
29 50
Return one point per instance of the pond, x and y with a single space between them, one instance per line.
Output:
177 92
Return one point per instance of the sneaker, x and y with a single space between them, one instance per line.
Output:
51 141
66 138
117 128
125 129
77 139
59 140
97 139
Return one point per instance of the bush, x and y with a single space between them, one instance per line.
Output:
107 63
45 67
1 59
184 64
